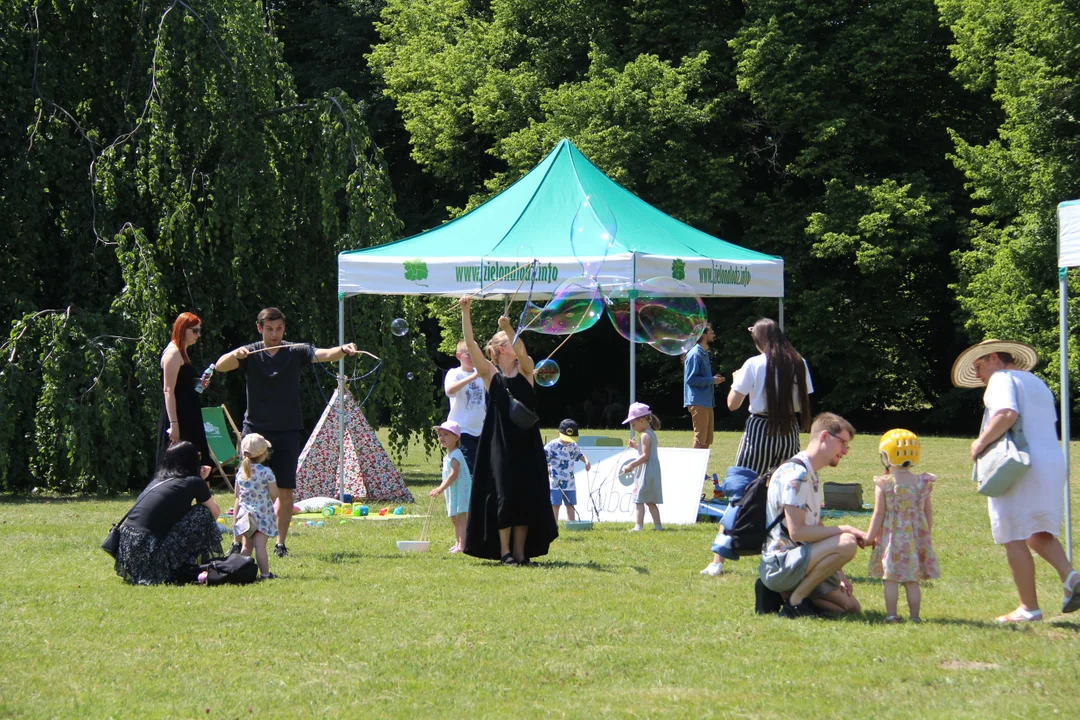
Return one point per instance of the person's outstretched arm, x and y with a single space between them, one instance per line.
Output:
231 360
335 353
878 518
524 361
483 365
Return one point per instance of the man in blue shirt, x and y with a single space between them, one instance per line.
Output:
699 384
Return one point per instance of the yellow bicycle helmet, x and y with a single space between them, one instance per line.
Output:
899 447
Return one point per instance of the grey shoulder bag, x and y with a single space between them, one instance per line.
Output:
1002 463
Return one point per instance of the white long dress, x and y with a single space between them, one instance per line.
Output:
1035 502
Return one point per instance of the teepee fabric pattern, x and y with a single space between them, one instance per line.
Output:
369 473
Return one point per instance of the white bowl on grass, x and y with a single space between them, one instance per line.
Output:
579 524
413 545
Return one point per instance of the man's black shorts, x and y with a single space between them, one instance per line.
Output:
283 456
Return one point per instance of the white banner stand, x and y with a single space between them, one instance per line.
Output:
1068 256
603 497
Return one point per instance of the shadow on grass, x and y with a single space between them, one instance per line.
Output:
560 564
343 558
17 499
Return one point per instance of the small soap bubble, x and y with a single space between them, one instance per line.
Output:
399 327
410 376
546 373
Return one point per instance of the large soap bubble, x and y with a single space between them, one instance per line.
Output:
670 315
617 299
546 373
575 305
592 234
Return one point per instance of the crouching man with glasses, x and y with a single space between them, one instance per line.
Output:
802 559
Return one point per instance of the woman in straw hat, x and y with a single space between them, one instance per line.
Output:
1028 516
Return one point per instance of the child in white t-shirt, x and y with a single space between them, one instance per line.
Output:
563 454
468 402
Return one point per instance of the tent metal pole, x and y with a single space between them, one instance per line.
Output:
341 401
1063 293
781 318
633 324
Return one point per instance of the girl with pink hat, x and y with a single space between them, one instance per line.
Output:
648 489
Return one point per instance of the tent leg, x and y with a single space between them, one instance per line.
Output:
780 320
1063 292
633 354
633 345
341 402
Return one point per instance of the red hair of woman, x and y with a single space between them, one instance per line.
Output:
184 322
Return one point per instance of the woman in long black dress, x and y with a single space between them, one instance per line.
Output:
509 511
181 413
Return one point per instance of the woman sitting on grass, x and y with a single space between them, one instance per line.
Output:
164 535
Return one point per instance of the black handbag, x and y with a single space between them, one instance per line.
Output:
112 540
520 414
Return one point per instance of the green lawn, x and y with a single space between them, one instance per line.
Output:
608 624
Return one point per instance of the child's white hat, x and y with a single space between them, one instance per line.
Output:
254 445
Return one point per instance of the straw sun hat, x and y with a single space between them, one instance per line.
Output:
963 370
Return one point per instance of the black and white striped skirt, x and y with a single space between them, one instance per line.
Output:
760 451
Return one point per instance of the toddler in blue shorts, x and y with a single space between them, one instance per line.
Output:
563 454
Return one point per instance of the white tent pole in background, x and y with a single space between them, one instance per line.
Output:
1068 256
341 400
780 319
633 325
1063 289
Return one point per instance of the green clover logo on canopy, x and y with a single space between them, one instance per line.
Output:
415 270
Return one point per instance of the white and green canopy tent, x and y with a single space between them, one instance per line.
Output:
532 220
520 241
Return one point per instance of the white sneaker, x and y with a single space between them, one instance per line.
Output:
713 569
636 528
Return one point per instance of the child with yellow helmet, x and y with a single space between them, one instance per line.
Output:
901 524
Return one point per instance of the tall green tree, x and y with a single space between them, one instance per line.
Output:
160 153
852 104
1024 54
814 130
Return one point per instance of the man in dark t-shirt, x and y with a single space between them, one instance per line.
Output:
273 369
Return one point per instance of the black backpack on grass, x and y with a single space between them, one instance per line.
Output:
749 530
232 570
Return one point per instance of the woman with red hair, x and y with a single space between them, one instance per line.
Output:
181 416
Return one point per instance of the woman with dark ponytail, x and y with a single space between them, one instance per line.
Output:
778 383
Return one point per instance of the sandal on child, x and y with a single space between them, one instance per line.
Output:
892 619
1020 615
1072 593
508 559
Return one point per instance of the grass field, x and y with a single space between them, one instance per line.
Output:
608 624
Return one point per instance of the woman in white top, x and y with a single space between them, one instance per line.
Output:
778 384
1028 515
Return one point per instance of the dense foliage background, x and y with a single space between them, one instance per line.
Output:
905 157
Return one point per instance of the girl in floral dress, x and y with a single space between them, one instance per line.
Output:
901 524
256 491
